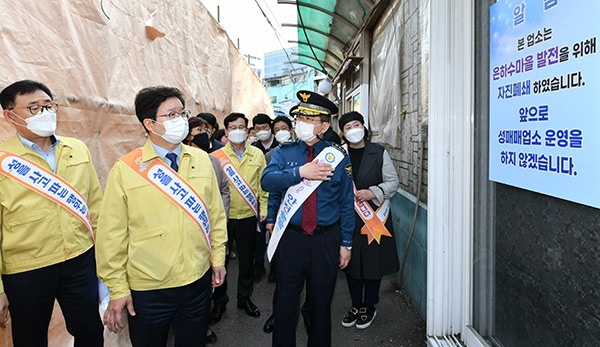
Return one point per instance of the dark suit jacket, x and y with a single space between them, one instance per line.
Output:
215 145
376 260
260 146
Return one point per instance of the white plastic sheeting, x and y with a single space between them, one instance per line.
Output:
386 89
95 56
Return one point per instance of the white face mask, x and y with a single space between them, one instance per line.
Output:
305 131
237 136
283 136
355 135
42 124
263 135
252 139
175 130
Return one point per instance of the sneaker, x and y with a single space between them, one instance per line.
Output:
350 317
366 315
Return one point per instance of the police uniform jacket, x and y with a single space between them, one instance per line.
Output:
37 232
145 241
335 198
376 173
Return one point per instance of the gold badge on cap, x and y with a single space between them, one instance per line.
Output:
304 96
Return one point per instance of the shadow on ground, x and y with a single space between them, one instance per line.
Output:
397 324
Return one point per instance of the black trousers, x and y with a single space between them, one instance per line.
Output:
73 283
363 292
244 233
185 307
261 245
310 259
219 295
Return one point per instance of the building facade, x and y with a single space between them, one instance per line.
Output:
485 263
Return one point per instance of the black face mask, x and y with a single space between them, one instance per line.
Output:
201 140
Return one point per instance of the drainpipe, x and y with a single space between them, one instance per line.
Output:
421 139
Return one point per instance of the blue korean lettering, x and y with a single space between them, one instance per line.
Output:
532 159
35 176
70 199
166 180
576 136
518 14
63 193
549 4
543 112
23 170
175 187
527 137
44 181
563 138
54 188
183 193
516 89
159 174
543 163
536 139
508 158
14 164
526 88
190 201
550 138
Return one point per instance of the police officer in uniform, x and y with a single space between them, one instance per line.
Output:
318 238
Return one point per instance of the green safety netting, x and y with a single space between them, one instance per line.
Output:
326 29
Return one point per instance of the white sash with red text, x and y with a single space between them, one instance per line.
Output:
173 187
295 196
237 180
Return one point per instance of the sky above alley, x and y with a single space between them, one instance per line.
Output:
244 21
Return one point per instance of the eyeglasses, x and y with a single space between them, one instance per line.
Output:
260 127
173 114
307 119
233 127
35 109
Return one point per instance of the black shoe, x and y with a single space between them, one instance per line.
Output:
366 315
250 308
268 327
216 314
350 317
212 337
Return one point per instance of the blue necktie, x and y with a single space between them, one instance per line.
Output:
173 158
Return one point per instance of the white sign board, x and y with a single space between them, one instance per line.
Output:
545 97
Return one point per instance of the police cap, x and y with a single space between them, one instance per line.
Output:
313 104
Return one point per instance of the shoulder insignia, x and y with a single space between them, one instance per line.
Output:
348 169
338 147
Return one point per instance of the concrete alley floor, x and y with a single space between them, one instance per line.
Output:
396 324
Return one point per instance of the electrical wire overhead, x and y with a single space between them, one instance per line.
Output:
280 37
